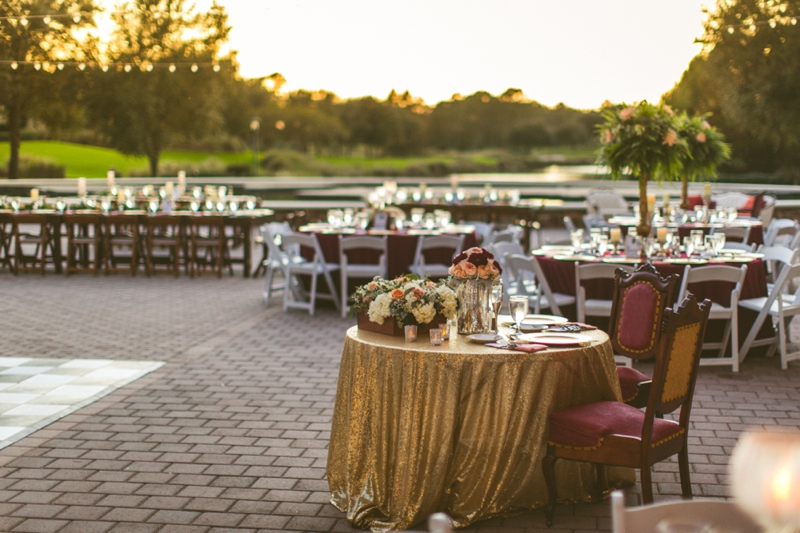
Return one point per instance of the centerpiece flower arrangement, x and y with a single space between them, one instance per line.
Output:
473 273
642 140
408 300
706 151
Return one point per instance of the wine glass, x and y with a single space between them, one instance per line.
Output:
153 205
61 204
719 242
688 246
518 306
497 301
194 206
233 206
15 204
105 204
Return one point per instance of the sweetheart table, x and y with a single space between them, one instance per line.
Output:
458 428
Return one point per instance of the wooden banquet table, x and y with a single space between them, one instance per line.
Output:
402 247
560 274
243 222
458 428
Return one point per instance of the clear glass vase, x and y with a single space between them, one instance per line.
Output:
475 312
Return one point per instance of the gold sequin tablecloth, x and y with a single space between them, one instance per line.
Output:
459 428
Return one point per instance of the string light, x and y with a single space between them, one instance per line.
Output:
195 68
173 68
46 19
14 65
144 66
752 26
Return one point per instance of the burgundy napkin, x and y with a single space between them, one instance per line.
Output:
530 348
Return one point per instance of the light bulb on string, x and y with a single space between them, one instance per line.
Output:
173 68
195 68
794 22
82 67
216 68
772 24
37 66
128 68
104 68
61 66
14 65
149 67
23 21
46 19
730 30
76 18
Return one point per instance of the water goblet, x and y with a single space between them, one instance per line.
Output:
732 213
233 206
152 205
688 246
708 243
222 191
416 215
576 239
602 244
719 242
250 204
61 204
220 206
209 204
15 204
194 206
197 192
497 301
518 306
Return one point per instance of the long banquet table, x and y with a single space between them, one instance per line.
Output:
459 428
560 274
243 222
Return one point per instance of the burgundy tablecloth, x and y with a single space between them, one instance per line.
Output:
401 252
561 278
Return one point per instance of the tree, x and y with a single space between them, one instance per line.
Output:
163 84
36 37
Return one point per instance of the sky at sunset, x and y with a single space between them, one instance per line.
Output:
580 52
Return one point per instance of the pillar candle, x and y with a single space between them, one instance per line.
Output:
707 190
169 189
110 178
182 179
661 235
81 186
34 195
615 235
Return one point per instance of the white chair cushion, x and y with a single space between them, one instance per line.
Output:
597 307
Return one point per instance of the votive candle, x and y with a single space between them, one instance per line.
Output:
411 333
34 195
661 235
615 235
110 178
81 186
445 327
436 336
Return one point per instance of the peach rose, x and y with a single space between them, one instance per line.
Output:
430 284
670 138
469 269
627 113
668 110
607 136
457 271
372 286
484 271
701 137
397 294
706 125
473 250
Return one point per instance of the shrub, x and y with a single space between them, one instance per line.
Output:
36 167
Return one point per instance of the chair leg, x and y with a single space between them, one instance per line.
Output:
289 279
683 466
601 482
647 484
782 337
735 342
332 289
549 470
267 291
725 337
313 298
343 282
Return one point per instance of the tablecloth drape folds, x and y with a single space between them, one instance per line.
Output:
460 429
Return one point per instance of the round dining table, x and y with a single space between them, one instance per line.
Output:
459 428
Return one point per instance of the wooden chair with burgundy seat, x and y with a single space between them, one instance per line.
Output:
637 311
617 434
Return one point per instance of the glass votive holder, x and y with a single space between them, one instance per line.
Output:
445 327
411 333
436 336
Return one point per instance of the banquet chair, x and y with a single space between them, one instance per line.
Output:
707 515
786 236
482 229
778 305
84 241
733 233
121 231
775 259
277 259
605 201
6 238
594 221
718 311
314 267
767 210
730 199
637 311
501 249
510 234
348 269
42 241
527 267
591 272
261 240
771 231
616 434
163 232
739 246
208 234
427 243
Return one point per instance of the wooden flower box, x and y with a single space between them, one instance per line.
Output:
390 327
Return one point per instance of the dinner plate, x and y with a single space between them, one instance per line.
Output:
684 261
732 251
44 211
555 339
532 322
622 260
482 338
575 257
556 248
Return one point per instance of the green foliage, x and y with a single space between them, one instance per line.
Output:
642 140
36 167
707 149
139 111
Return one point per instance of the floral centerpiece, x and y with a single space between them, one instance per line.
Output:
473 273
642 140
386 306
706 151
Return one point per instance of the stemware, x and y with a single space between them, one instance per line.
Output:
197 192
152 205
61 204
688 246
518 306
719 242
576 238
250 205
15 204
234 206
416 215
105 204
209 203
497 301
194 206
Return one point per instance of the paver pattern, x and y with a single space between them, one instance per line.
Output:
232 433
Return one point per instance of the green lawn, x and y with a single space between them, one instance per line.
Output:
370 162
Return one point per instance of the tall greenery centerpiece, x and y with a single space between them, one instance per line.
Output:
642 140
706 151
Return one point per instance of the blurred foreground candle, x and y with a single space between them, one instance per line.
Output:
614 235
765 473
81 187
34 195
661 235
110 178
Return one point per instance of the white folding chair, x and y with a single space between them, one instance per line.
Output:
482 229
428 242
738 246
734 233
276 259
765 215
718 311
314 268
594 221
348 269
777 224
510 234
594 271
775 259
715 515
606 201
527 267
779 305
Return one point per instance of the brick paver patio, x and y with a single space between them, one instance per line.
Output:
231 434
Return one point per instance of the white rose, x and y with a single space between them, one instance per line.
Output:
424 313
379 309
